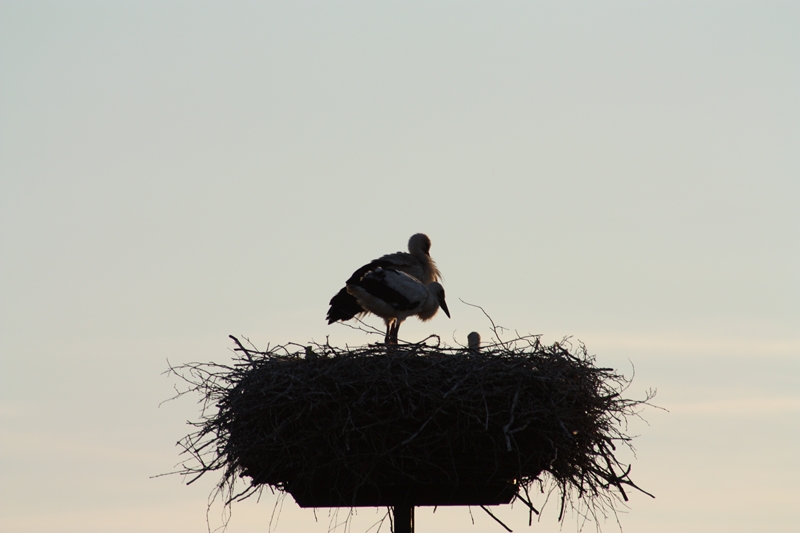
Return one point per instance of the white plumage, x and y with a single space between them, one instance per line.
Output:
417 263
395 296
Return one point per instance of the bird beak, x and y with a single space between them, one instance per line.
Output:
443 305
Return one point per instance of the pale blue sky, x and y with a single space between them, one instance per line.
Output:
173 172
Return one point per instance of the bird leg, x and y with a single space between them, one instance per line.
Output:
388 338
391 332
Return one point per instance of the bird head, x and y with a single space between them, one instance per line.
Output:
419 242
438 290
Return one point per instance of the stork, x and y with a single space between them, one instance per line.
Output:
394 296
416 262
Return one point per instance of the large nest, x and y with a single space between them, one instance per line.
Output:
416 424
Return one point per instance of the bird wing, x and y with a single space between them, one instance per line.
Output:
375 264
404 262
383 284
421 267
343 306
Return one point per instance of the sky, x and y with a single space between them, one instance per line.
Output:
623 173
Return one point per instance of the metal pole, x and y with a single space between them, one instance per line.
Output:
403 518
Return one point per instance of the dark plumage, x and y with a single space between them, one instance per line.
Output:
395 296
417 262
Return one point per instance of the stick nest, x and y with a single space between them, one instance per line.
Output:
353 426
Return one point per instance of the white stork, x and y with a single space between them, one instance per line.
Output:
395 296
417 263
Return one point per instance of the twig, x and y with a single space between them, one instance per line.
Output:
496 519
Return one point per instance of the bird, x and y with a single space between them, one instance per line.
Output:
394 296
417 262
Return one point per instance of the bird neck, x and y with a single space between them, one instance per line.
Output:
429 307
